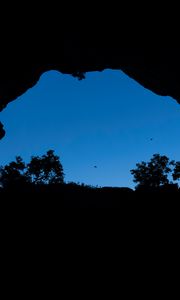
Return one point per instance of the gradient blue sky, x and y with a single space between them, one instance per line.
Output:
106 120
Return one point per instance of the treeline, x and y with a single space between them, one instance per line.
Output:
45 174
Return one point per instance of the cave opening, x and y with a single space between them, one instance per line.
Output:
107 120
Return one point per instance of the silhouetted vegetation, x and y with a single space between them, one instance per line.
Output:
154 174
46 169
43 178
13 174
176 172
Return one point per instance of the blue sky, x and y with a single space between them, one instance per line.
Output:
106 120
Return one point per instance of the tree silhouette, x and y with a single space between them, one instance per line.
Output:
46 169
154 173
176 172
13 173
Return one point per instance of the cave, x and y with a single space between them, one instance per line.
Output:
142 44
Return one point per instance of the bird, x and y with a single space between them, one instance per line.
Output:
95 167
151 139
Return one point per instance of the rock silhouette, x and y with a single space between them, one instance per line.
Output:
144 46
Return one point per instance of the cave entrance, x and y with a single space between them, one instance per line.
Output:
100 127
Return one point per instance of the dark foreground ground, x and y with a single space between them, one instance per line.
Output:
80 196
